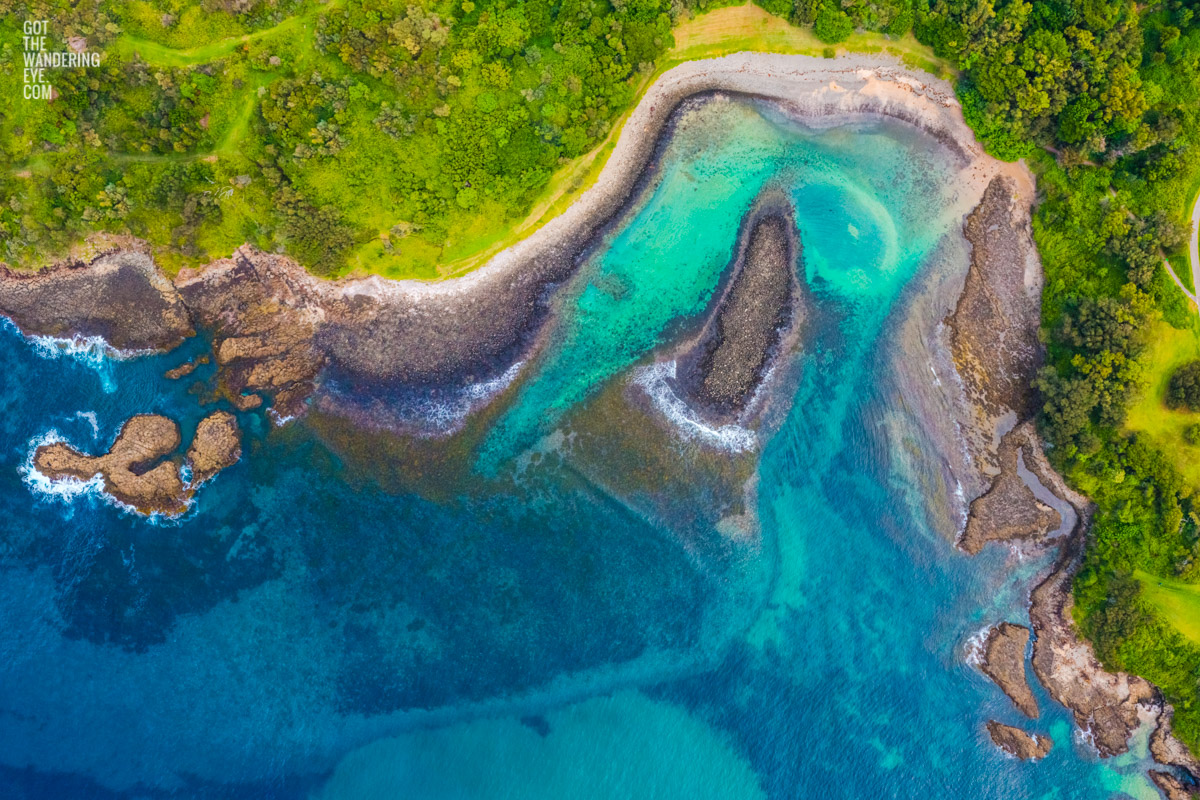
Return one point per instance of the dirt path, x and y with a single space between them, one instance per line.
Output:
1194 246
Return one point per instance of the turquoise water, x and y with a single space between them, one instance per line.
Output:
558 607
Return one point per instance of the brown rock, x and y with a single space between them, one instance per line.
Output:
1104 704
216 445
121 296
993 330
1017 742
1168 750
1009 509
1004 663
185 369
129 468
1172 787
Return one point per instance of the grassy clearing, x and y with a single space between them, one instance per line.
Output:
1170 348
1178 602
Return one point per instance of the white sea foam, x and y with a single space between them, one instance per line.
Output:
93 352
91 419
653 380
445 415
973 649
279 420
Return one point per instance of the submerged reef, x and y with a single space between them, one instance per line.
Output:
136 470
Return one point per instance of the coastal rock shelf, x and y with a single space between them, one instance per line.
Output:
136 471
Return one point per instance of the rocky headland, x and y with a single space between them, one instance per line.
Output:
1017 742
138 470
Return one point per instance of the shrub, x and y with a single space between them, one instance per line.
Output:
1184 389
832 25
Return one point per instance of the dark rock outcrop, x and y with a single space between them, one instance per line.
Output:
754 304
1004 662
1017 742
133 469
122 297
1008 510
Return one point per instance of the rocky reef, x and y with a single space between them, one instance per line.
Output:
133 470
993 330
216 446
757 301
1017 742
1004 662
137 470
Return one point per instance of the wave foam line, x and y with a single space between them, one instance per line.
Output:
653 380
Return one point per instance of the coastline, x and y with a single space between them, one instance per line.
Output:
279 331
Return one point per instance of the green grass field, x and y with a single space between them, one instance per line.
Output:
359 180
1169 349
1178 602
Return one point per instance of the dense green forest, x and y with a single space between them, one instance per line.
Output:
394 136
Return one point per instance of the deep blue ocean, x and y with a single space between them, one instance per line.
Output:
572 597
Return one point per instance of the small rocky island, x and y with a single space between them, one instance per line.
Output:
137 470
1016 742
1004 662
751 311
